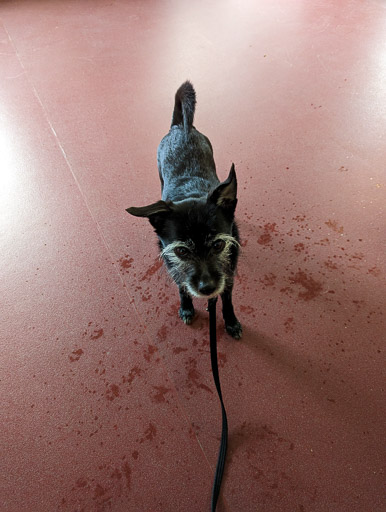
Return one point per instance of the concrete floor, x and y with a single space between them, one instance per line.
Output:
107 400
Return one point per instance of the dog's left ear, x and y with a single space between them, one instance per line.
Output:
225 194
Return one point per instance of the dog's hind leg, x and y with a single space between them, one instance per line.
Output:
232 325
186 311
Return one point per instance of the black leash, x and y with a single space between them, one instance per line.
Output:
224 433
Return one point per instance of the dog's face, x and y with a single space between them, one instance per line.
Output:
198 238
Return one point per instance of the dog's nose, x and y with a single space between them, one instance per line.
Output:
206 288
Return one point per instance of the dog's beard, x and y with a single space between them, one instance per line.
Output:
195 293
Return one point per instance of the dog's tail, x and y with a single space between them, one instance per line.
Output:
184 107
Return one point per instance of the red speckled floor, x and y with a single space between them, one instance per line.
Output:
107 400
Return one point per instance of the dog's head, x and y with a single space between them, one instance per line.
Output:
198 238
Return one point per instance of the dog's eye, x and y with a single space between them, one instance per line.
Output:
219 245
181 252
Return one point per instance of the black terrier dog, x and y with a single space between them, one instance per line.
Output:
194 221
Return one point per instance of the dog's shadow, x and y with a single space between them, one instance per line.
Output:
306 374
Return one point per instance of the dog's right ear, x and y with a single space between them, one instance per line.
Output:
156 212
151 209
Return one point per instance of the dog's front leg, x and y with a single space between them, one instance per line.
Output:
186 311
232 325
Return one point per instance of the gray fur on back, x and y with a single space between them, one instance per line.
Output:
186 165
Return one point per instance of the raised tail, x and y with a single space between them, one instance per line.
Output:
184 107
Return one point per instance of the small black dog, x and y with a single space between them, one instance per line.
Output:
194 221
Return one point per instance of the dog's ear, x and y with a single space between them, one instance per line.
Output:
151 209
156 212
225 194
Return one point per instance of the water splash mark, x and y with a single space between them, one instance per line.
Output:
152 270
334 226
299 247
97 333
222 359
125 263
113 392
150 433
331 265
162 333
178 350
312 288
159 397
289 325
324 242
249 310
374 271
102 496
81 482
194 376
151 349
77 355
268 279
266 237
127 472
133 373
116 474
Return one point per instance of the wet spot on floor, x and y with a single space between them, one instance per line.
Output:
194 376
81 482
112 392
96 334
299 247
76 355
152 270
99 491
374 271
178 350
126 262
334 226
151 349
312 288
162 333
133 373
359 304
127 473
268 279
149 433
324 242
222 359
331 265
159 397
247 309
266 237
116 474
289 325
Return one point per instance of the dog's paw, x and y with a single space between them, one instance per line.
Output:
186 315
235 330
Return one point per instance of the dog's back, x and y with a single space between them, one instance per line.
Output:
185 156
